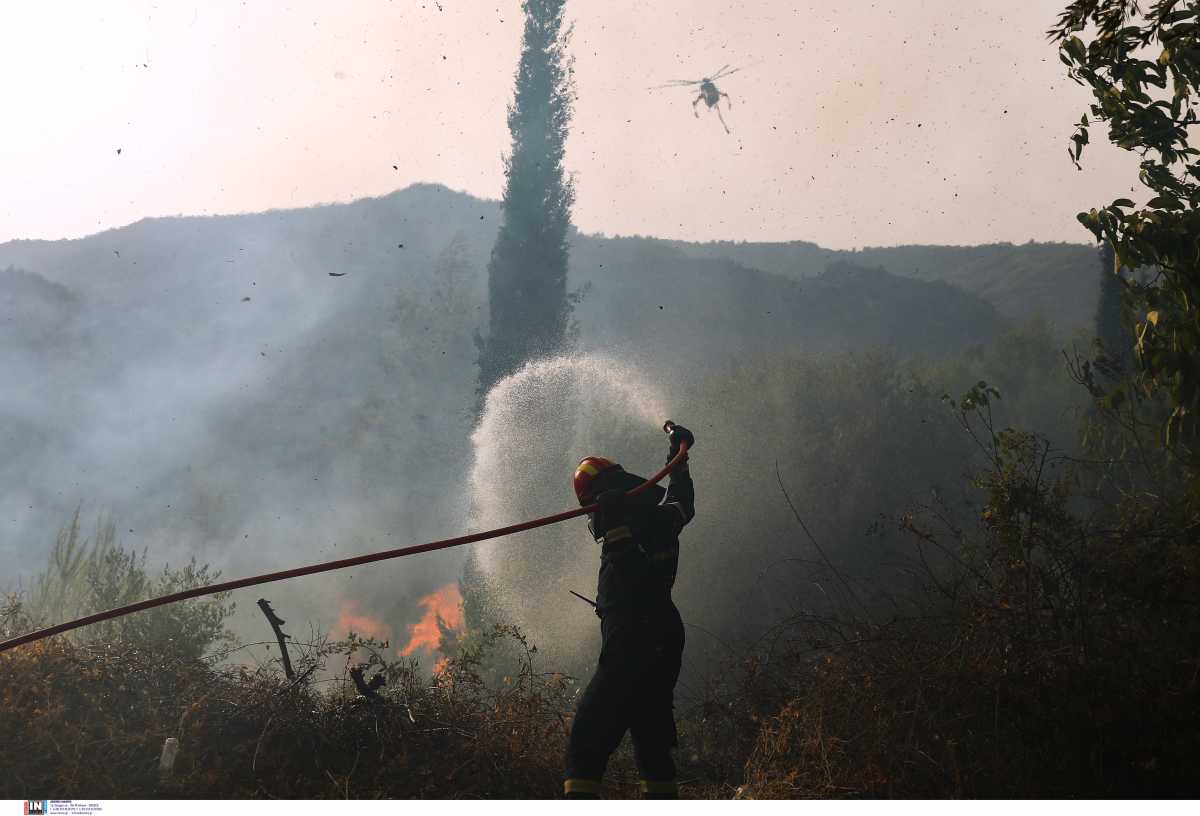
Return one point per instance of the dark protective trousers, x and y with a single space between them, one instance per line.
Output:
632 690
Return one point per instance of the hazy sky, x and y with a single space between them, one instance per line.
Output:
854 122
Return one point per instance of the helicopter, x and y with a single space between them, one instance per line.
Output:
709 92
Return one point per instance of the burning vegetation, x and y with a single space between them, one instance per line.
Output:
443 613
441 621
351 620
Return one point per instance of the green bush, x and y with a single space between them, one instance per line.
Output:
85 576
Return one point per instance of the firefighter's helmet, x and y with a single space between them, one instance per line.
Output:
586 475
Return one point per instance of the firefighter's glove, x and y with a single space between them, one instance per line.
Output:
680 434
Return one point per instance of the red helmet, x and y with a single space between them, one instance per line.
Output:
586 472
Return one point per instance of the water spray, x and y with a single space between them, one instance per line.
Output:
342 563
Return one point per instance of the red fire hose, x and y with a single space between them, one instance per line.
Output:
342 563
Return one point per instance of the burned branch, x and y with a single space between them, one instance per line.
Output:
276 623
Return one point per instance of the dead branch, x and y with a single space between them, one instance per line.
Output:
275 622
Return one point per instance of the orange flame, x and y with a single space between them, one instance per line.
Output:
444 605
351 620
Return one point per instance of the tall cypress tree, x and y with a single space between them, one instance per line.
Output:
1113 330
527 273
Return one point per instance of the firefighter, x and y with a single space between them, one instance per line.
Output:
642 634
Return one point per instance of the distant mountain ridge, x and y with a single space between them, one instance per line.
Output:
1059 281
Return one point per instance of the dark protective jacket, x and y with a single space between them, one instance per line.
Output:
640 543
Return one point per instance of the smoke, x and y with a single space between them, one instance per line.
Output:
207 385
326 417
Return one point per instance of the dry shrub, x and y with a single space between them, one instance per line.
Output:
1046 650
88 722
981 711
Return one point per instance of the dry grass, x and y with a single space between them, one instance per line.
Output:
88 722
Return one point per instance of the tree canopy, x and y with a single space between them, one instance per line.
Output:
1143 68
527 274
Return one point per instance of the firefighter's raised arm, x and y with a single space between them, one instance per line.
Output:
680 500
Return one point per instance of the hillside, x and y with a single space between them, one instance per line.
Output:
642 290
1057 281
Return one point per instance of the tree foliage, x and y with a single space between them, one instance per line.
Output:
1143 68
527 273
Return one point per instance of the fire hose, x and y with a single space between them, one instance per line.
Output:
342 563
